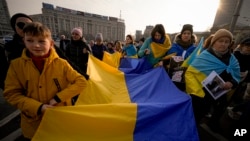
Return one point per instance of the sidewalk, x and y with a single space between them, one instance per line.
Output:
9 121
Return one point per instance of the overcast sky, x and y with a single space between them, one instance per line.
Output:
173 14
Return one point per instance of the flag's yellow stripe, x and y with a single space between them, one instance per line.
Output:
193 80
112 59
106 85
88 123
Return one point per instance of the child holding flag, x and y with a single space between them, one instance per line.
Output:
39 79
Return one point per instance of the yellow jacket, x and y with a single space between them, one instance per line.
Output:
27 89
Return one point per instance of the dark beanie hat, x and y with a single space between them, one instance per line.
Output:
245 41
187 27
14 18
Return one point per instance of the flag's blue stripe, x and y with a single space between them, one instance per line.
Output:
172 121
164 112
135 65
195 53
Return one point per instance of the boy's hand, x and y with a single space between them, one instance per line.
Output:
52 102
44 107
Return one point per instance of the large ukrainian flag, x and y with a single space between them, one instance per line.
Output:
122 107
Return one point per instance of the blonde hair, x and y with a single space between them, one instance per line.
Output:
37 29
119 47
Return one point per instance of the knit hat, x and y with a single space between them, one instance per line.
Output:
245 41
77 30
187 27
222 33
99 36
14 18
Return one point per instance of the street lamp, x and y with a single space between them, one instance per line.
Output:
236 15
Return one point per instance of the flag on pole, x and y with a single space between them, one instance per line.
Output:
194 54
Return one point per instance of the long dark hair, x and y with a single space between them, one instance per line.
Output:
160 29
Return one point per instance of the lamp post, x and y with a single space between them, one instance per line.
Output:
236 15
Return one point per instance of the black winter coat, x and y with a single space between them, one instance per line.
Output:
3 66
74 51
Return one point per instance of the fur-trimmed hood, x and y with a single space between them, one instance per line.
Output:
179 41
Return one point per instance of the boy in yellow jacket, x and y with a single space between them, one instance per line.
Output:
39 79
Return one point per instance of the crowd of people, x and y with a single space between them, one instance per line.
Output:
36 74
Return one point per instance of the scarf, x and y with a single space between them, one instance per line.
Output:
183 44
39 61
159 49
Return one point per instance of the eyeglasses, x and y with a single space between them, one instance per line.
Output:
20 25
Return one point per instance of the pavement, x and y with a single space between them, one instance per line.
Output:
9 121
10 125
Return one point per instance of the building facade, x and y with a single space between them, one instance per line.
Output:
62 20
138 35
5 28
147 31
227 12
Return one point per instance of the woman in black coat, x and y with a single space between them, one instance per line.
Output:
77 50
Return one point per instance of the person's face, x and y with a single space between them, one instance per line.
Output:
157 36
128 40
98 41
117 44
38 45
222 44
110 46
20 23
245 50
75 36
63 37
186 36
91 43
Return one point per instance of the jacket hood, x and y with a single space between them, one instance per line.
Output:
179 41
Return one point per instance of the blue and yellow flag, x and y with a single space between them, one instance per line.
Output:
194 54
112 59
117 106
135 65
